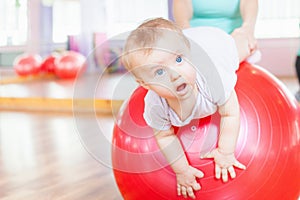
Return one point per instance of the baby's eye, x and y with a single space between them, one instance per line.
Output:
159 72
178 59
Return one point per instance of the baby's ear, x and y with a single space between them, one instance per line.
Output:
142 83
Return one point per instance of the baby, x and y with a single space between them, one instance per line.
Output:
189 74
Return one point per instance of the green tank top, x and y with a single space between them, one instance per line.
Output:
224 14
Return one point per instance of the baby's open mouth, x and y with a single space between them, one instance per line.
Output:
181 87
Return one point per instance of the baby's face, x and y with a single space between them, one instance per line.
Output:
167 71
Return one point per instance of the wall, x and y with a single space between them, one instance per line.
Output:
94 17
278 55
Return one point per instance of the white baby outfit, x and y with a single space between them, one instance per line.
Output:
215 57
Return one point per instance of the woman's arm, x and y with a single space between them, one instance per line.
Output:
248 10
182 12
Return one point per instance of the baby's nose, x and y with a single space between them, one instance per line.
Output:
174 75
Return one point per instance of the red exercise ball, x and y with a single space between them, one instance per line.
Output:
69 65
268 145
48 63
27 64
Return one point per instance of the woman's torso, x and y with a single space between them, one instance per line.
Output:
224 14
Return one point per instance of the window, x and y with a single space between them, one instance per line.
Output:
13 22
278 19
66 19
125 15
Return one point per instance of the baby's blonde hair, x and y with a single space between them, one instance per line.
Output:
145 36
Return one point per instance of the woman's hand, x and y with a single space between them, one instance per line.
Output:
248 33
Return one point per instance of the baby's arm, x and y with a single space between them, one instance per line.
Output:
185 174
229 130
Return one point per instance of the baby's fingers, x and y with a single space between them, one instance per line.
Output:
224 174
196 186
231 172
190 192
218 171
178 189
239 165
185 191
197 173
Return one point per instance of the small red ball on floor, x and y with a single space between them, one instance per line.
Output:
48 63
27 64
69 65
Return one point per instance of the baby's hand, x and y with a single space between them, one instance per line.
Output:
224 164
186 182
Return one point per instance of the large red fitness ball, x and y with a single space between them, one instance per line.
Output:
27 64
268 145
69 65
